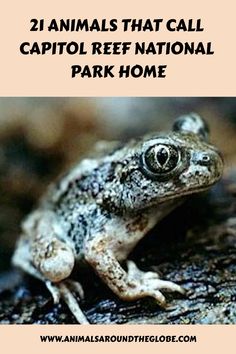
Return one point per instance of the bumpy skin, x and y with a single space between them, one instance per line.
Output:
100 210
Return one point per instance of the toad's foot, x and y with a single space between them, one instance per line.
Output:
131 285
151 283
64 290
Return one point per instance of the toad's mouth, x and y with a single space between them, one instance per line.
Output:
194 190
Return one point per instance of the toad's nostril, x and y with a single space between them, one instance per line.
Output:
205 159
202 159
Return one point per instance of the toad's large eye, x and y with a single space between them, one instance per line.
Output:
161 159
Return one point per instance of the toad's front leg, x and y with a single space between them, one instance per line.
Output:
130 285
46 257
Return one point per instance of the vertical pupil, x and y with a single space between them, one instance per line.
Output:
162 156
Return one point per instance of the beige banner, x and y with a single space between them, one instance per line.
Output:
27 339
186 75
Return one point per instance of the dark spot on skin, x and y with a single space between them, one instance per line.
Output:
138 224
203 132
177 126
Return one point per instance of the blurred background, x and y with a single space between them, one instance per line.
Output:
41 137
